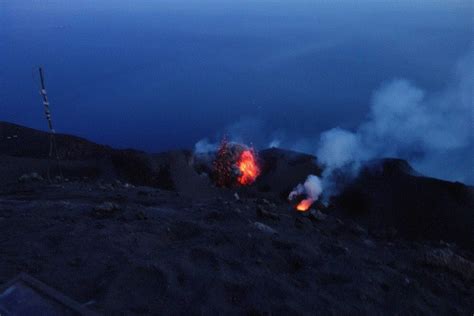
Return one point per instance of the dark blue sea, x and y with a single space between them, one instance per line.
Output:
156 75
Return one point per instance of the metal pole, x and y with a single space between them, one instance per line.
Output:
43 93
52 139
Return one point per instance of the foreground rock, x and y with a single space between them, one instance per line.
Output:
30 177
450 261
105 210
153 251
134 233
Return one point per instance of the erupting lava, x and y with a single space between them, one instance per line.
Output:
304 205
235 164
248 167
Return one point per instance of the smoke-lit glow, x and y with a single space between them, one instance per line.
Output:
304 205
311 189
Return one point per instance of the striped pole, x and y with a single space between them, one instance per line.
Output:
44 95
52 139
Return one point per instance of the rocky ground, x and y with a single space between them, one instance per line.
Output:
129 233
127 250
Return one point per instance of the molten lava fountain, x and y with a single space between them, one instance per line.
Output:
248 167
235 164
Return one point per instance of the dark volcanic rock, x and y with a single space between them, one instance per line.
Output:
24 150
196 256
392 196
263 213
282 170
105 210
176 172
19 141
182 246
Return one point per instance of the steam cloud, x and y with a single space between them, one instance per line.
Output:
312 188
433 131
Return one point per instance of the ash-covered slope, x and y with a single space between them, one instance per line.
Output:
180 245
150 251
20 141
24 150
387 196
283 169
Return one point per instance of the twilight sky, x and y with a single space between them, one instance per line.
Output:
156 75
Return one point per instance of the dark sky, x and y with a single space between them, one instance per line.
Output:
156 75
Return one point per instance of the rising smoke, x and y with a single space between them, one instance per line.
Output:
433 131
311 189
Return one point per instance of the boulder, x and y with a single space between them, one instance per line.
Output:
317 215
263 213
265 228
446 259
30 177
105 210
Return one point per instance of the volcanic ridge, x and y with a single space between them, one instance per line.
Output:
133 233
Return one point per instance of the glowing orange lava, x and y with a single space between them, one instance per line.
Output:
248 167
304 205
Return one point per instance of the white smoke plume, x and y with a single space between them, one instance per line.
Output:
432 131
205 146
244 131
311 188
275 143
